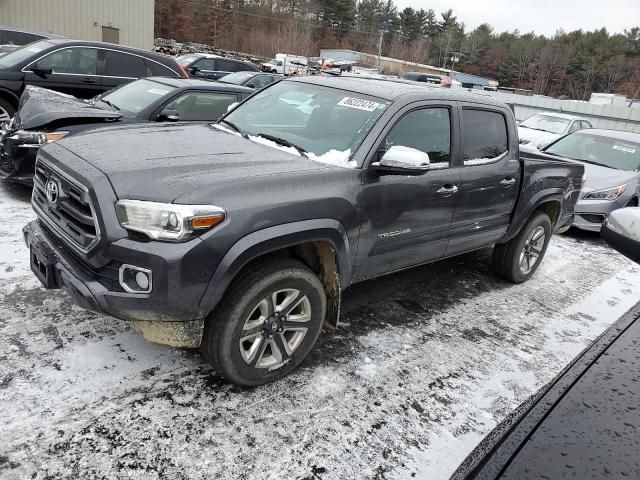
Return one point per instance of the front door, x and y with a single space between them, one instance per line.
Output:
490 178
72 70
407 218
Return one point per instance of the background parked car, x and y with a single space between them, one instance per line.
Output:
611 162
423 77
46 116
543 128
254 80
621 230
14 38
206 65
78 68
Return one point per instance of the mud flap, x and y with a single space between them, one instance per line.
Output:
175 334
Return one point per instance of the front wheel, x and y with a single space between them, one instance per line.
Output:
519 258
266 324
6 111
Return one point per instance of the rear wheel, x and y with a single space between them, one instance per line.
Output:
267 323
518 259
6 110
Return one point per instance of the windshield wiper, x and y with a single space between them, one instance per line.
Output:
234 127
284 143
109 103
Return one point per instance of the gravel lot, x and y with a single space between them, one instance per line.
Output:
425 363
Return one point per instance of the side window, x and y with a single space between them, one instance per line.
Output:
484 136
119 64
157 69
427 130
222 65
20 38
81 61
575 126
205 64
201 106
586 124
261 81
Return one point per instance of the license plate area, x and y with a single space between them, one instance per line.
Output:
43 269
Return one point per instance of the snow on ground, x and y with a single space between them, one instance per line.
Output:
425 363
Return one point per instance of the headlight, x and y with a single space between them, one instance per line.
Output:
168 221
37 139
608 194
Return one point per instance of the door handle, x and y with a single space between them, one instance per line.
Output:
447 190
507 182
88 81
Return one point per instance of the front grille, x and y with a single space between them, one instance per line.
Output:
70 216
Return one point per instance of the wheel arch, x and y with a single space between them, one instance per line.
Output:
10 97
321 244
548 201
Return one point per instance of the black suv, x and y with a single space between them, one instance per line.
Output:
14 38
206 65
239 237
82 69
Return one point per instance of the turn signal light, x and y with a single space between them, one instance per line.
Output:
206 222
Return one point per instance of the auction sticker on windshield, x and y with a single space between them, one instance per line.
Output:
624 149
157 91
359 103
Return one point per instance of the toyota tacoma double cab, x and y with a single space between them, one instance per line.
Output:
239 237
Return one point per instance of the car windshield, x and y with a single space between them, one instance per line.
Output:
238 78
323 123
546 123
24 53
136 96
599 150
186 60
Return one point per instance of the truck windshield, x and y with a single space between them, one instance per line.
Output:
327 124
546 123
598 149
136 96
21 54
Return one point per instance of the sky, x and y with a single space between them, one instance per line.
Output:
541 16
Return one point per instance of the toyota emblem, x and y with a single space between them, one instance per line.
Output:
52 192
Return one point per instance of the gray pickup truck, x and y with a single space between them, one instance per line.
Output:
239 237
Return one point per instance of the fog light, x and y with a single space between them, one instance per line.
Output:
135 279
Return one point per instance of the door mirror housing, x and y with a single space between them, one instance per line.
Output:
168 115
232 106
621 230
41 72
399 160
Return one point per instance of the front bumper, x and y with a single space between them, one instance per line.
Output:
168 312
591 214
17 162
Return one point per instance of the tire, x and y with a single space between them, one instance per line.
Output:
7 110
275 345
510 258
274 71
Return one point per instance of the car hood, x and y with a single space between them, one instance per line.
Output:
40 106
165 162
599 178
536 137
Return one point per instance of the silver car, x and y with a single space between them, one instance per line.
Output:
541 129
612 169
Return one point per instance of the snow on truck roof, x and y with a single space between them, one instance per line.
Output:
391 89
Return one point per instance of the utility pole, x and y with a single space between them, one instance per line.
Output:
455 57
380 48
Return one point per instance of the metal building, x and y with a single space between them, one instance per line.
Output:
127 22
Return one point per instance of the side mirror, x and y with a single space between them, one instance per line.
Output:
232 106
399 160
42 72
168 115
621 230
194 69
250 85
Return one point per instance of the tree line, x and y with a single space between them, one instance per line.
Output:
568 64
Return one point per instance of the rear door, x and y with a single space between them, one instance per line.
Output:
407 218
490 177
73 70
121 67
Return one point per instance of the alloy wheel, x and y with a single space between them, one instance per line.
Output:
532 249
275 328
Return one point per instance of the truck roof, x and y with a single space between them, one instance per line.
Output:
391 89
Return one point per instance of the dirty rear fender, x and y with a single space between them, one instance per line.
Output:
275 238
526 209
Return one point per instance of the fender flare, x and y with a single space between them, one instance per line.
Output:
272 239
521 217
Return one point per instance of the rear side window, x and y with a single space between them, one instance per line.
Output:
157 69
118 64
224 65
484 136
20 38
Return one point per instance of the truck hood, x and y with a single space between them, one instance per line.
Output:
599 178
537 138
40 106
164 162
